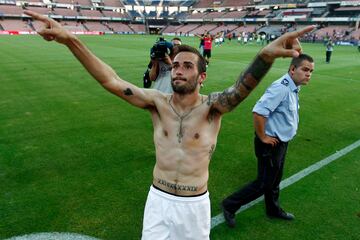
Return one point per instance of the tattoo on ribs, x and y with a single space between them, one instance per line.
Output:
128 92
212 149
177 187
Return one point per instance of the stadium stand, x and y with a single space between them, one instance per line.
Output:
73 26
119 27
201 29
235 14
247 29
274 29
171 29
318 12
36 25
113 3
345 12
204 4
76 2
114 14
335 32
185 29
137 28
42 10
65 12
14 24
236 3
224 28
355 34
197 15
91 13
339 19
11 10
213 15
96 26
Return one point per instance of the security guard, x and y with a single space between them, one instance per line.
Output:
276 118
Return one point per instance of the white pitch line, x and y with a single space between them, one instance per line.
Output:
53 236
294 178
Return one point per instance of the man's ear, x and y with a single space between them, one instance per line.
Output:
202 77
292 69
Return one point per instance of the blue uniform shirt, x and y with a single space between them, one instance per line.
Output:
280 105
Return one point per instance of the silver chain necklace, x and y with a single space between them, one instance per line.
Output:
180 134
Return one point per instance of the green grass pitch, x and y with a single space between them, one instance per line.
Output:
74 158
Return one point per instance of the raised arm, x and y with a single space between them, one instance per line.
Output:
287 45
102 72
154 71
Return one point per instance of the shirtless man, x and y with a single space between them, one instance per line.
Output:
186 126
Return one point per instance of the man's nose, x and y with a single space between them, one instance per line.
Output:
178 71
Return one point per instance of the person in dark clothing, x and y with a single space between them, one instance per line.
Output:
276 120
329 50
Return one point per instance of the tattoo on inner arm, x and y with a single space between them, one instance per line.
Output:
246 82
177 187
128 92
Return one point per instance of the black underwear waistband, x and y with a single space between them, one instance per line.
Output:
197 195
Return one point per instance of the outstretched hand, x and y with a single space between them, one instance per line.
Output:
52 30
286 45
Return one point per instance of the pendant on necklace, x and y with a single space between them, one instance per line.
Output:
180 133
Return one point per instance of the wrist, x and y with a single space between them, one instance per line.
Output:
70 40
266 56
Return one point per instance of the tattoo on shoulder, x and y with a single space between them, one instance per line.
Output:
128 92
229 98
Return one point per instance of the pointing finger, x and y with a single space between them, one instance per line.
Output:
36 16
301 32
48 21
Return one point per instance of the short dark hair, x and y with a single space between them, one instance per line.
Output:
176 38
296 61
201 63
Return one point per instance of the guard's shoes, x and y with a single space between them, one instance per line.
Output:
282 215
229 217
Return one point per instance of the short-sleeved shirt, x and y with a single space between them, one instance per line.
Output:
208 43
280 105
163 81
329 47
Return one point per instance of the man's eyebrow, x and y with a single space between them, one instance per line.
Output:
186 62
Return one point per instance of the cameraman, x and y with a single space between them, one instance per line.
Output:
161 69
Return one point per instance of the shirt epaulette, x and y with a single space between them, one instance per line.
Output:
285 82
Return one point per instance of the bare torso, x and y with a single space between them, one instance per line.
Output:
184 141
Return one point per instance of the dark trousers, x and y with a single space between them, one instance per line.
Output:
328 56
270 170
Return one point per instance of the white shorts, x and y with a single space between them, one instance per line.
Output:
176 218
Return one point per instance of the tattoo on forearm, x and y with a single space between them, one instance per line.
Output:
177 187
258 68
128 92
246 82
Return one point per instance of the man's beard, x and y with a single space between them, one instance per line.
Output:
187 88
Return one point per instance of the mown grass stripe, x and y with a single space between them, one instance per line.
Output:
294 178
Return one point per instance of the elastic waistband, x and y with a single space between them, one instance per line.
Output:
170 196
